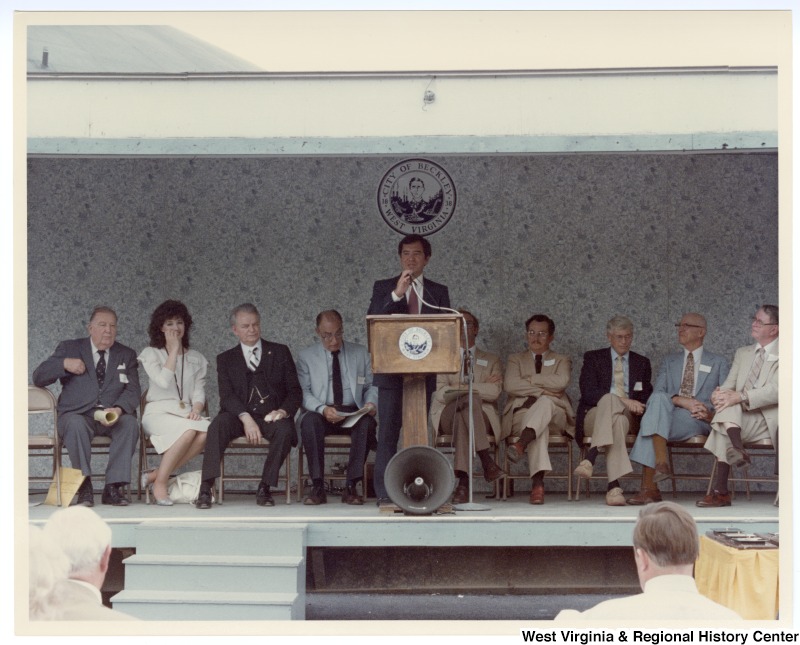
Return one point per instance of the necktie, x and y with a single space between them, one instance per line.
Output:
755 369
465 370
619 377
100 368
338 396
538 363
254 359
413 301
687 382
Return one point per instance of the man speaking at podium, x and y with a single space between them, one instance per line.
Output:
396 296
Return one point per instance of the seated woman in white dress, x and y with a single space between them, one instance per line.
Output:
175 397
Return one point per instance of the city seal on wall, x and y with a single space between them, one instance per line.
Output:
415 343
416 196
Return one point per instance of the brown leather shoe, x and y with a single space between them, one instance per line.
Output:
537 494
663 472
644 497
493 473
514 452
461 496
715 500
350 496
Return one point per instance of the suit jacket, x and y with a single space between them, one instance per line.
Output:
382 303
312 371
79 392
522 381
711 374
764 394
486 365
277 365
79 603
597 375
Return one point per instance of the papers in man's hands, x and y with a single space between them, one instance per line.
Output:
352 417
452 395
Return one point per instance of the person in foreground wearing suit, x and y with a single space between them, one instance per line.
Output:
680 406
537 406
665 547
396 296
259 395
746 404
86 541
336 376
452 416
615 385
99 396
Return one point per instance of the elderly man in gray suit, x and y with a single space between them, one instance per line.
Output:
680 406
99 396
746 404
336 378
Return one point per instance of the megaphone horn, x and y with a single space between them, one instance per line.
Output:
419 480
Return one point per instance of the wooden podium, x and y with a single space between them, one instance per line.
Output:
414 346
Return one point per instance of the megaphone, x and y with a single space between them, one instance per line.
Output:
419 480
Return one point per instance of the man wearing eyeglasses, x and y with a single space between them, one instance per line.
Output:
450 409
680 406
615 385
336 378
536 381
746 404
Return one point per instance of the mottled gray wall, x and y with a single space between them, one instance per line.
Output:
579 237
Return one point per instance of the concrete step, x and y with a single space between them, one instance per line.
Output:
207 538
209 605
215 573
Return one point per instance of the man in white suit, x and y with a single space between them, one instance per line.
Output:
336 378
680 406
746 404
665 547
86 541
450 410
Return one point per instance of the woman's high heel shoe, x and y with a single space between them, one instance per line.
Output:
145 483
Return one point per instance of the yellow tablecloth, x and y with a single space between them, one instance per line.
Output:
746 580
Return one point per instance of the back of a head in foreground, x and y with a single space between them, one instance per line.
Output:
668 534
47 566
83 536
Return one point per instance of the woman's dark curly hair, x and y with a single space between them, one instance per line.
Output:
166 310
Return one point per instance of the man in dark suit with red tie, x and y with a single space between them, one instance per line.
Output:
397 296
615 385
259 395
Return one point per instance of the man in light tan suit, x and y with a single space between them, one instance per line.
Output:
450 410
536 381
746 404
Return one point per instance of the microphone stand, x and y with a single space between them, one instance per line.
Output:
469 506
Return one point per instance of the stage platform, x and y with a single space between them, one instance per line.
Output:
514 522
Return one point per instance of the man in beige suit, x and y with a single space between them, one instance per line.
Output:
536 381
746 404
450 410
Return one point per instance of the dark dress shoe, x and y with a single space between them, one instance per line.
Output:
715 500
461 496
537 494
351 497
86 494
263 497
644 497
203 499
493 473
662 472
113 497
316 497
